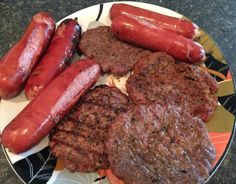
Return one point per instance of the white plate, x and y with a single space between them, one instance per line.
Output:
37 164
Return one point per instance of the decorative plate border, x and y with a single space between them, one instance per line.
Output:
42 176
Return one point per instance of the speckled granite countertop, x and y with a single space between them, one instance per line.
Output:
217 17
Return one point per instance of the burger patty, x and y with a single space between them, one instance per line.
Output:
78 140
159 78
114 56
159 143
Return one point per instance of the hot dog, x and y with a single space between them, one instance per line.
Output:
178 25
36 120
19 61
58 55
140 32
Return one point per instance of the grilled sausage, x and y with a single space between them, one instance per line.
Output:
58 55
36 120
178 25
140 32
19 61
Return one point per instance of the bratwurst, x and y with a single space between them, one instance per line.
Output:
177 25
142 33
20 60
57 57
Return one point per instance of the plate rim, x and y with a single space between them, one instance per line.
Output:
232 135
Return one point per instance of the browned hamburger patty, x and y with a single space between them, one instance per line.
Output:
158 78
156 144
114 56
78 140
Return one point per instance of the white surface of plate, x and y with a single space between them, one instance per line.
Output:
10 108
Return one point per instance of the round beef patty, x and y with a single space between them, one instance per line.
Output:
114 56
159 78
159 144
78 140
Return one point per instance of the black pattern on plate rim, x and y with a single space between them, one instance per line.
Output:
100 12
227 68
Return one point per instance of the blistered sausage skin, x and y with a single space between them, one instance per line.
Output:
32 124
178 25
140 32
20 60
58 55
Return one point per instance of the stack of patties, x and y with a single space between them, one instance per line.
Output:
159 136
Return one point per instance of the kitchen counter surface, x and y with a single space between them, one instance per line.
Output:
216 17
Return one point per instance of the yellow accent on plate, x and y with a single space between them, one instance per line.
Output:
225 88
222 121
210 46
59 165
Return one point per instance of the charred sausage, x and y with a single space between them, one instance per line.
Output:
19 61
58 55
140 32
36 120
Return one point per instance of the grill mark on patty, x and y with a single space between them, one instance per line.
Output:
79 148
107 107
79 138
84 140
